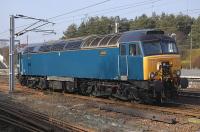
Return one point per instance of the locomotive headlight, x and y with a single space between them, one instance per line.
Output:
158 66
152 75
178 73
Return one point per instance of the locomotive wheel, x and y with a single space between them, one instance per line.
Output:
85 89
23 81
43 84
133 96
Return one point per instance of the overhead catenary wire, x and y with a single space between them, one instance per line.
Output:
143 3
130 5
80 9
118 8
29 27
76 10
113 11
107 12
57 23
7 30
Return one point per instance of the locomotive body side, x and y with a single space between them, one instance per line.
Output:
89 63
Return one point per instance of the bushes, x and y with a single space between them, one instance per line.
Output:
196 62
185 58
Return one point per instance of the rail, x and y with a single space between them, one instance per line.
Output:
34 121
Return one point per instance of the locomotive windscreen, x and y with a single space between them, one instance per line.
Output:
159 47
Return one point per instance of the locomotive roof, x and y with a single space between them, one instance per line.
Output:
94 41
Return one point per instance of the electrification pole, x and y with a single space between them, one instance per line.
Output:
27 39
117 19
33 27
116 27
11 53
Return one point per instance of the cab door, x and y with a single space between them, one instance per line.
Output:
123 62
135 61
19 63
29 64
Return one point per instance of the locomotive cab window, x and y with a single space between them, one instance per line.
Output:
134 50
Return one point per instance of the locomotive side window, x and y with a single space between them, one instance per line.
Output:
95 42
122 49
88 41
105 41
58 46
45 48
72 45
114 40
29 50
134 50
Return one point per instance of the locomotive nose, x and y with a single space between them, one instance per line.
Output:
161 66
163 69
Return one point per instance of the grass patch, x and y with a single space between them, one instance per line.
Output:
185 58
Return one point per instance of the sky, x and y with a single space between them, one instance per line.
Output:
45 9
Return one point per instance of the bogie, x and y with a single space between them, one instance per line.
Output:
123 90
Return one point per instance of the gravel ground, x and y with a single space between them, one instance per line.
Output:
77 111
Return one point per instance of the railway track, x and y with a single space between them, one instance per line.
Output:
174 109
105 104
34 121
191 94
179 108
189 97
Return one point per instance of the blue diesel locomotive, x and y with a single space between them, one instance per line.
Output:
135 65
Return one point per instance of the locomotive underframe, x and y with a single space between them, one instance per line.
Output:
124 90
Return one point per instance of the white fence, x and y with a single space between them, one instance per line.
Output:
193 73
4 71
